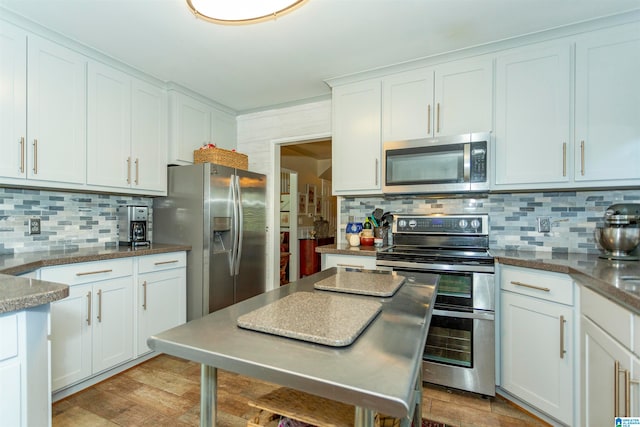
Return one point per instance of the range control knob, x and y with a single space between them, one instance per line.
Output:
475 224
413 223
463 223
402 223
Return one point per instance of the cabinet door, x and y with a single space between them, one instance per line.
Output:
407 105
56 112
533 96
463 94
109 161
112 323
13 102
71 321
161 303
190 127
607 108
148 137
600 353
534 366
356 146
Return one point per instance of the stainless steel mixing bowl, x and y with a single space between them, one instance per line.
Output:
619 241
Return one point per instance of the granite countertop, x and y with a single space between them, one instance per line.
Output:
601 275
17 293
345 249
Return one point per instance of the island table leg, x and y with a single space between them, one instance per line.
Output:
208 398
364 417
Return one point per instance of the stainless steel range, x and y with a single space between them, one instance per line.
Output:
460 350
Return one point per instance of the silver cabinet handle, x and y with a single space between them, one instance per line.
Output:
94 272
627 393
128 170
22 154
351 266
616 387
89 308
429 119
137 167
376 172
100 305
582 158
524 285
144 295
562 350
438 118
165 262
564 159
35 156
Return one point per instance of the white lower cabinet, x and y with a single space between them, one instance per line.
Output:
537 333
24 368
112 308
91 329
162 291
610 369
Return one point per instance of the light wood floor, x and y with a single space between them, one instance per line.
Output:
165 391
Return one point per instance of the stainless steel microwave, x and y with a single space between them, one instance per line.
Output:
452 164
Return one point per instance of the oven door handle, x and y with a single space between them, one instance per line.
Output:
464 315
418 266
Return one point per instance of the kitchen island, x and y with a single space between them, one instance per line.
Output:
379 372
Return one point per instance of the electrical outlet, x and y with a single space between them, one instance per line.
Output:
34 226
544 224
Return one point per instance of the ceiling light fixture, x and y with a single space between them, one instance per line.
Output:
241 11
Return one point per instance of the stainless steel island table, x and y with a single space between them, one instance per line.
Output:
379 372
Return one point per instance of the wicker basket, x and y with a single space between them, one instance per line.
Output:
221 157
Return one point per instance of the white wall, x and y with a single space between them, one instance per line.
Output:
260 135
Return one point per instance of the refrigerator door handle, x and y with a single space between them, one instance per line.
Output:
234 234
240 217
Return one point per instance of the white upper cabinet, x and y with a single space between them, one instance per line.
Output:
607 117
126 146
463 96
56 112
52 147
194 123
449 99
356 138
533 100
13 102
408 105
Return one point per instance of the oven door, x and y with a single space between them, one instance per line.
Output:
462 289
460 351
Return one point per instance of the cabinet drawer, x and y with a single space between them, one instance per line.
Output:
608 315
546 285
149 263
86 272
349 261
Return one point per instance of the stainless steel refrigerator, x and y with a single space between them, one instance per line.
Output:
221 212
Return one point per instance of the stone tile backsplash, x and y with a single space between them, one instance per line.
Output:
512 216
68 220
76 220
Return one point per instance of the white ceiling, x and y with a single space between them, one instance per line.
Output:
251 67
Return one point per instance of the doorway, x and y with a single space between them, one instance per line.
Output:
316 215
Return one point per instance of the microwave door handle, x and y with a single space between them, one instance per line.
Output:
467 163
